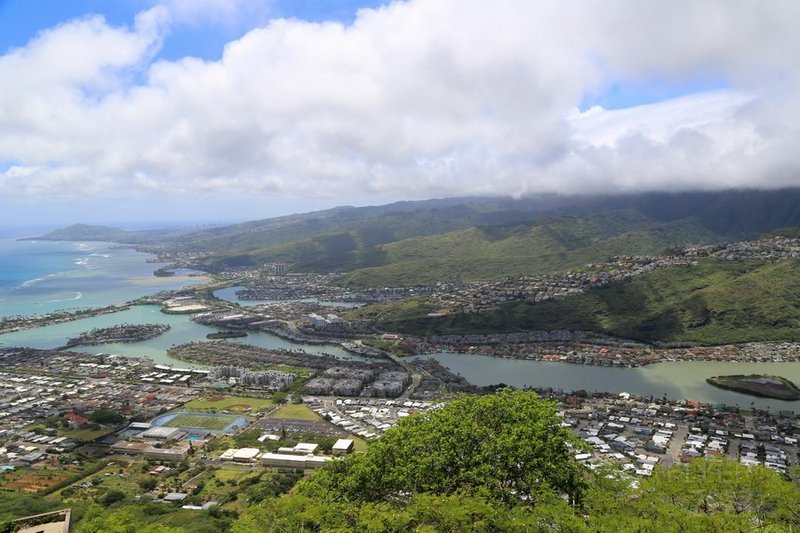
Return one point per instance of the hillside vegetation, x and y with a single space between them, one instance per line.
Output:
87 232
495 252
500 462
714 302
409 243
412 243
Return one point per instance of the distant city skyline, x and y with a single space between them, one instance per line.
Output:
178 110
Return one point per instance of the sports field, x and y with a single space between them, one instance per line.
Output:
200 421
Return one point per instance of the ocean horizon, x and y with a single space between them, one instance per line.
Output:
39 277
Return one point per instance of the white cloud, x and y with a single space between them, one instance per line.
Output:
659 121
414 99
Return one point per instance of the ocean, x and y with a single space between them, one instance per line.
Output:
41 277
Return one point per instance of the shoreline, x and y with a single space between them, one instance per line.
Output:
13 324
600 364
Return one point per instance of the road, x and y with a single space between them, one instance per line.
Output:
675 445
415 374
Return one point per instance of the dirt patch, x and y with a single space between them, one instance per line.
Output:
33 483
214 398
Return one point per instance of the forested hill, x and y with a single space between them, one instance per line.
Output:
500 462
479 238
88 232
713 302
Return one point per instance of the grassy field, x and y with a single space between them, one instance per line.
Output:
201 421
296 412
86 435
229 403
227 473
359 444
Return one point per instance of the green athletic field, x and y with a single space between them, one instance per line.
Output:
201 421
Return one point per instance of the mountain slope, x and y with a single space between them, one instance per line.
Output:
499 252
87 232
714 302
483 238
408 243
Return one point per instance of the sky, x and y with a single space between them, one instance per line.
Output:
137 110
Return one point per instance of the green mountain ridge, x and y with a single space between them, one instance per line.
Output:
89 232
410 243
473 239
715 302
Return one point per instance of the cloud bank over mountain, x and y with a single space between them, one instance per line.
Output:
418 98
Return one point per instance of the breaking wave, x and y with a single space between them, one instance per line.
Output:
77 296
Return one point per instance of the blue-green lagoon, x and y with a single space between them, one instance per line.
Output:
41 277
38 277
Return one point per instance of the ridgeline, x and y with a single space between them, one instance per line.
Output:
714 302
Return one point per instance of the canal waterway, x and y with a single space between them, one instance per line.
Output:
677 380
182 330
41 277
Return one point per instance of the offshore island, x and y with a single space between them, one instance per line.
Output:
758 385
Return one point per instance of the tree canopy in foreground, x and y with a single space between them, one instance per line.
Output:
504 463
499 462
509 446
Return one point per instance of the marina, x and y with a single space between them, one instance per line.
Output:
182 330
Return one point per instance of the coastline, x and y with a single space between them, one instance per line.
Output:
52 278
12 324
605 363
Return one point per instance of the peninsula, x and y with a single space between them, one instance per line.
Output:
125 333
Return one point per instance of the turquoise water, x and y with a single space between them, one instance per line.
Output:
182 330
39 277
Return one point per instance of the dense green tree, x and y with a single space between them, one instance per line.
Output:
148 483
8 525
509 445
111 497
422 512
704 495
123 520
106 416
20 504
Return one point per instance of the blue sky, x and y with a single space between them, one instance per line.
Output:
622 94
21 20
172 109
